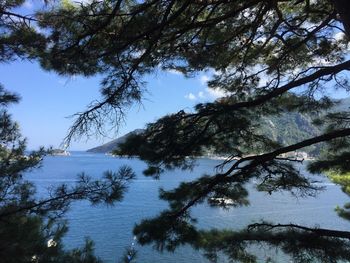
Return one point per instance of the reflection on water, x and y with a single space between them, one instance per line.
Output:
111 227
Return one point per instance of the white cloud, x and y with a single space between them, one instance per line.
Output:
216 93
174 71
82 2
137 54
204 79
264 79
190 96
28 4
339 36
201 95
206 94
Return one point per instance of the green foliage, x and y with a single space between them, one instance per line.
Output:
292 240
274 60
166 231
247 42
27 238
31 229
343 179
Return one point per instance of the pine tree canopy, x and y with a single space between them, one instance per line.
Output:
267 56
31 228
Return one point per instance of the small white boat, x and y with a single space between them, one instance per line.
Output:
221 201
59 152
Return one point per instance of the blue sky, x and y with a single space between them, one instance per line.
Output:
48 99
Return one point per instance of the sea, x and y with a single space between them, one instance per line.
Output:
110 227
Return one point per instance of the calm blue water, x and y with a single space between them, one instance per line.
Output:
111 227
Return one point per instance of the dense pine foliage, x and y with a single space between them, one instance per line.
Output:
268 56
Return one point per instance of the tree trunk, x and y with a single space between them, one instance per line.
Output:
343 9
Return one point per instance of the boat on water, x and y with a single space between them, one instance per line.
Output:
60 152
221 201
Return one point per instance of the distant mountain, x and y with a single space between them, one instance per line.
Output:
291 127
112 145
287 128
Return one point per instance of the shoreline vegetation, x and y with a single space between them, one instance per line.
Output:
297 156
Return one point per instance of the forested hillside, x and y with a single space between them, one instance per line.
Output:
286 128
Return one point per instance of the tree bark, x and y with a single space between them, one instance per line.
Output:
343 9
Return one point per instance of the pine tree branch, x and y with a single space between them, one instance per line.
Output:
318 231
325 71
253 163
343 8
69 196
95 30
24 18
